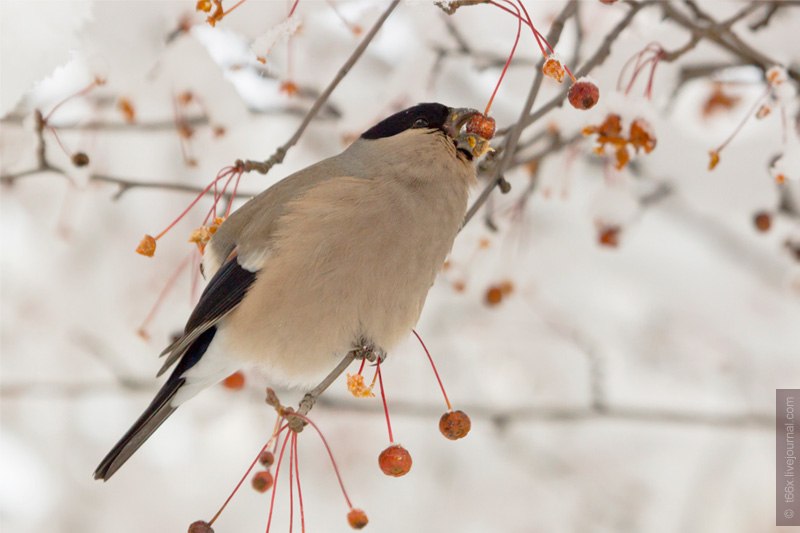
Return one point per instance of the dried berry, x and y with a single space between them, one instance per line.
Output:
262 481
80 159
147 246
234 382
583 94
553 68
713 159
494 295
125 107
762 221
266 458
357 387
395 461
482 126
357 519
200 527
454 425
641 136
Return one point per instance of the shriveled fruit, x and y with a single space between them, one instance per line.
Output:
455 425
200 526
583 94
482 126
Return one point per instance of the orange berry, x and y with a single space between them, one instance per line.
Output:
454 425
234 382
200 526
203 5
609 236
553 68
762 220
266 458
147 246
583 94
357 519
125 107
482 126
80 159
262 481
290 88
395 461
494 295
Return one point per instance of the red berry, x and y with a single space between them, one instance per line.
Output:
762 221
266 458
357 519
200 527
454 425
583 94
395 461
262 481
481 126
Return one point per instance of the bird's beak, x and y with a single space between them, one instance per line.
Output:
457 119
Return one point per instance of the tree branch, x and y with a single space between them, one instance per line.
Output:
278 156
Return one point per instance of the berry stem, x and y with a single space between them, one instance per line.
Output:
234 6
383 399
330 454
247 472
299 490
750 112
293 436
500 80
275 484
81 92
163 294
433 366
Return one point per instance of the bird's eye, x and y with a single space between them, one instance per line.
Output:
420 123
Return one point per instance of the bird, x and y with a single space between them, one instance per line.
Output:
336 256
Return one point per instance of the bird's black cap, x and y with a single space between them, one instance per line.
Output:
431 116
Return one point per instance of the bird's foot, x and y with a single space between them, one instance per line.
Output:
367 350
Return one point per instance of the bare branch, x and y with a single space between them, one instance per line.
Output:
277 157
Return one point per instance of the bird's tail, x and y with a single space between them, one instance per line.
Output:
155 414
159 409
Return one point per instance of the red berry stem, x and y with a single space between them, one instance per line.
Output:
330 454
299 490
95 82
383 399
247 472
163 294
433 366
275 486
508 62
293 436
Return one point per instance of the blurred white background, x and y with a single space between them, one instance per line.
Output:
617 389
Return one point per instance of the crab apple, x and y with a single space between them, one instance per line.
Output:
266 458
762 221
395 461
80 159
200 526
482 126
583 94
262 481
454 425
357 519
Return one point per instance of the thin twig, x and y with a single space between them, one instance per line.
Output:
510 140
278 156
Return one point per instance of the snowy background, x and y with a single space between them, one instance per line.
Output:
612 390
